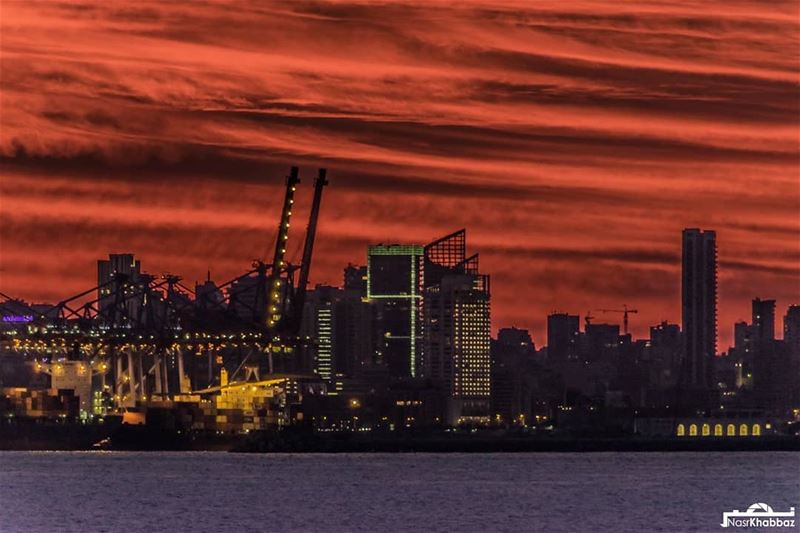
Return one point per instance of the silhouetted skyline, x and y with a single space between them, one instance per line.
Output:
574 143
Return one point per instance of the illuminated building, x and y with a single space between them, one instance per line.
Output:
457 329
698 312
319 321
394 280
457 344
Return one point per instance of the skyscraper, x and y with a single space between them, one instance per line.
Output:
791 330
359 341
457 328
394 279
513 356
562 338
699 311
768 364
457 345
791 338
764 321
319 322
743 350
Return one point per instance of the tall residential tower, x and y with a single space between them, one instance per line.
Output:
699 311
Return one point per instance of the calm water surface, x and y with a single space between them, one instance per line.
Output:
199 492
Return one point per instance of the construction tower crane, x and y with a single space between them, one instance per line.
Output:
624 312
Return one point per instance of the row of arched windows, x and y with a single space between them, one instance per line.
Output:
729 430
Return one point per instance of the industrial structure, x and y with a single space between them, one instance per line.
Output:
145 339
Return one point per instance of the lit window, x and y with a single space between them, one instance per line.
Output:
681 430
706 430
717 430
693 430
743 430
731 430
756 430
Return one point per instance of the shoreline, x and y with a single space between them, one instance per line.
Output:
122 437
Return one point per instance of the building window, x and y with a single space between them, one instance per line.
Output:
693 430
756 430
743 430
706 430
681 430
717 430
731 430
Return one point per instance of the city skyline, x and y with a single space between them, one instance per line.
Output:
369 265
596 315
543 131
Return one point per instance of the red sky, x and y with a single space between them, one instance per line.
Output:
573 140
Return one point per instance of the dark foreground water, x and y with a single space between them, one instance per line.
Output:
198 492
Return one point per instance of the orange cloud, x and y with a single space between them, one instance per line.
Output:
574 140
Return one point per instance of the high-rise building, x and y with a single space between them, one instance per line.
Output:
664 356
355 279
517 341
130 270
791 330
769 363
394 280
791 338
359 341
743 352
764 320
666 335
457 344
698 312
457 329
563 336
513 380
600 342
318 325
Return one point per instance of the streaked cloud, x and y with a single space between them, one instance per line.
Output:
573 139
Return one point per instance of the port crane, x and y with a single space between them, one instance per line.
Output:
133 330
624 312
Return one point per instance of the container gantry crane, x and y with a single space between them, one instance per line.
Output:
274 288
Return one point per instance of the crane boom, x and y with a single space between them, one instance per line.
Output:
274 285
624 312
308 250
